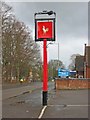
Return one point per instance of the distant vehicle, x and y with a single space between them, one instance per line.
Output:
72 73
63 73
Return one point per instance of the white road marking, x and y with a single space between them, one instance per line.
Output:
63 105
42 112
56 105
69 105
78 105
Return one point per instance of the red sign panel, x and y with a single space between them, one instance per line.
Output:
44 29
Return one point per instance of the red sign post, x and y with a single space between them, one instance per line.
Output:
45 72
45 31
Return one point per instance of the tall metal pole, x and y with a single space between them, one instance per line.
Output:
45 73
58 54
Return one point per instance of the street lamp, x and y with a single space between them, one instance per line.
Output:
58 54
58 50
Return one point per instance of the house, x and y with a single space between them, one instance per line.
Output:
87 62
79 65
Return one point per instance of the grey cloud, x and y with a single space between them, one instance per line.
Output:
71 23
72 18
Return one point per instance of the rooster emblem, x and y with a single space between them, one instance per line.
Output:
45 29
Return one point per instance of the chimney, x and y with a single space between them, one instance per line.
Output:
85 53
89 42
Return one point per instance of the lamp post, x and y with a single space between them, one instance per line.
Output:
45 31
58 54
58 51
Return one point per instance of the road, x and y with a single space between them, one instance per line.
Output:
0 101
61 104
15 90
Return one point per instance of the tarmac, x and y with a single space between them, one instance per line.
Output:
61 103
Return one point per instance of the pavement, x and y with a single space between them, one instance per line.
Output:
68 104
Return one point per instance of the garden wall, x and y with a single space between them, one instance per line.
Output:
75 83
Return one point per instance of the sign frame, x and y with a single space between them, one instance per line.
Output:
36 31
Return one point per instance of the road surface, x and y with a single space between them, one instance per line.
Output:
61 104
0 101
15 90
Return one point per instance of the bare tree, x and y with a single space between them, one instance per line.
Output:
0 44
20 52
53 67
72 64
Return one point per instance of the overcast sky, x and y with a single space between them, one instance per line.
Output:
71 25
